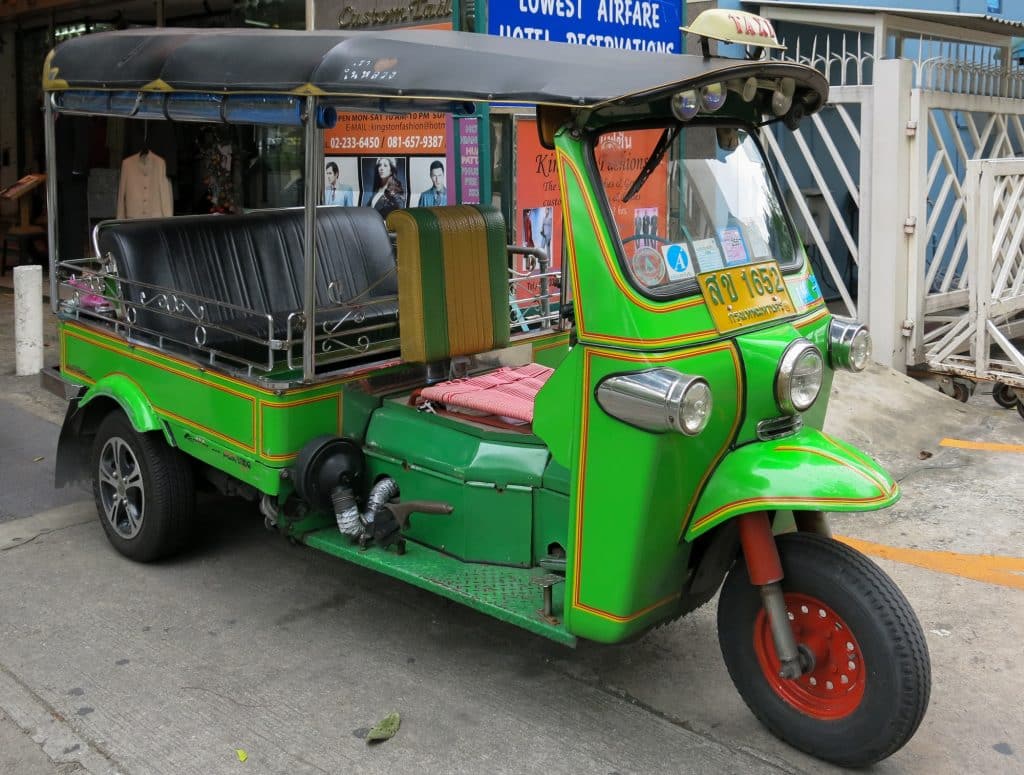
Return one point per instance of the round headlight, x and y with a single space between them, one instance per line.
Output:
799 379
657 400
685 104
712 97
695 408
849 344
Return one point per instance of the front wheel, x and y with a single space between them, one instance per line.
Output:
867 674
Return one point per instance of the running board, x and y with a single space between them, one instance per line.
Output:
513 595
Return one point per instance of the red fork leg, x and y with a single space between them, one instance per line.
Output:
765 571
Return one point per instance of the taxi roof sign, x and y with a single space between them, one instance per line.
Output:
741 27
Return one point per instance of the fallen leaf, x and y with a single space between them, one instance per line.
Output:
385 729
924 454
242 755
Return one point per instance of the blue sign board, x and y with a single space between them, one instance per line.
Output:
634 25
995 6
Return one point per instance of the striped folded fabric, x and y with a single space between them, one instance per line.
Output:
507 392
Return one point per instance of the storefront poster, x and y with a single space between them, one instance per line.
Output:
469 160
634 25
388 161
538 219
620 156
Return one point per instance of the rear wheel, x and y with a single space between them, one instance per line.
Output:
867 676
143 489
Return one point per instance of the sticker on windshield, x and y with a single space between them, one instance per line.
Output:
708 254
678 262
648 266
733 246
805 291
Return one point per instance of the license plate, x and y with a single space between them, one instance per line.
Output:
741 296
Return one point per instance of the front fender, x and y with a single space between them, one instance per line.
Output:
806 471
132 400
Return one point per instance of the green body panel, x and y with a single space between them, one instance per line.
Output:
550 521
631 490
487 475
551 350
508 594
806 471
245 430
558 478
761 352
461 450
226 458
127 393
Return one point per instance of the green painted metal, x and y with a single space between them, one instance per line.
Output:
551 350
508 594
550 522
761 351
631 490
461 450
130 398
487 475
806 471
245 430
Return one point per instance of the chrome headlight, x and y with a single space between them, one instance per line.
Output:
657 400
849 344
799 378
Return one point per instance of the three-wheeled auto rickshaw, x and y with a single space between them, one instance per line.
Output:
652 432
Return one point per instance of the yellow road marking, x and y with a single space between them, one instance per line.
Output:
986 445
1005 571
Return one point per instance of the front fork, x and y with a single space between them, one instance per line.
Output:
765 571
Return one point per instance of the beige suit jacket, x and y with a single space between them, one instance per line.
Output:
144 190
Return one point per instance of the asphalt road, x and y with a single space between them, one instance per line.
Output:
247 643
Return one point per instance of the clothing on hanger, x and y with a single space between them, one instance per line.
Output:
144 190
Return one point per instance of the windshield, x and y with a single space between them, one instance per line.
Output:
691 200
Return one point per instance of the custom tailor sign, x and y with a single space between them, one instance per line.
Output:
634 25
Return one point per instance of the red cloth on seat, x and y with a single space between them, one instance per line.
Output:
506 392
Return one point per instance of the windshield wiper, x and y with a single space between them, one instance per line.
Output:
655 159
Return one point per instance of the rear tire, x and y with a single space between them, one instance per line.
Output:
868 689
144 490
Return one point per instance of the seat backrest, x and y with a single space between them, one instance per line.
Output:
253 261
452 281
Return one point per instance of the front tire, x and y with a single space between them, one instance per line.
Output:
867 688
144 490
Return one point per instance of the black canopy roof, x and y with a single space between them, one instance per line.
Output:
394 64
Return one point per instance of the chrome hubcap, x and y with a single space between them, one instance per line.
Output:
122 493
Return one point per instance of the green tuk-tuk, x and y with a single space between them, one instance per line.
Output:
653 431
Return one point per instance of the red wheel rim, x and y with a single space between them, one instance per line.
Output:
834 687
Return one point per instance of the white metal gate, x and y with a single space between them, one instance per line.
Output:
905 121
978 342
821 166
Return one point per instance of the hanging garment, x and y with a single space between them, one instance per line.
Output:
144 190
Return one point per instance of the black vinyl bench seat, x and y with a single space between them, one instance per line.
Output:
255 262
